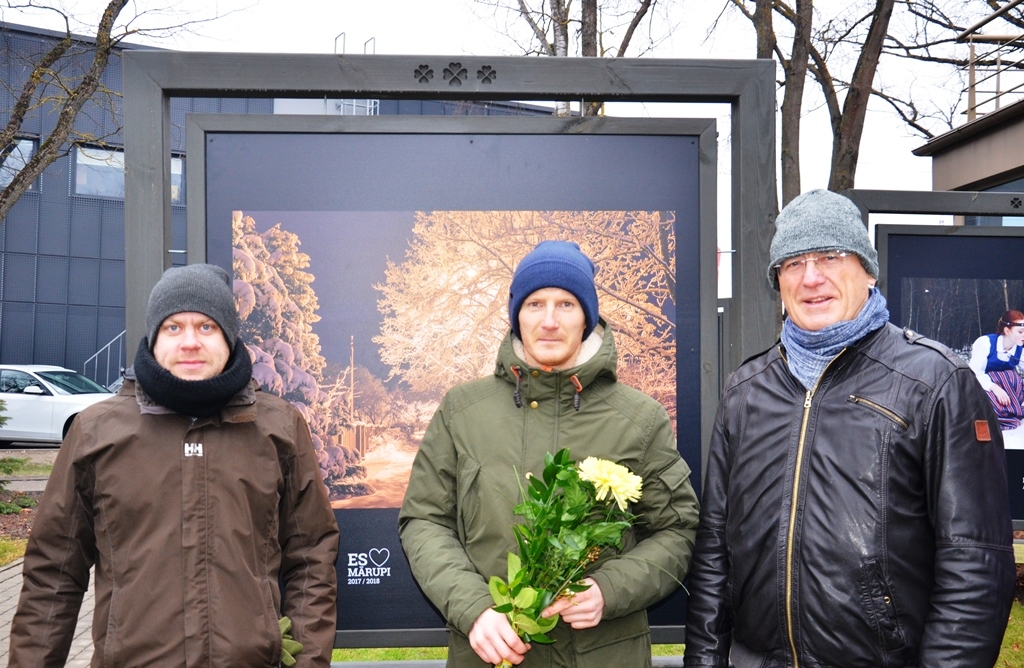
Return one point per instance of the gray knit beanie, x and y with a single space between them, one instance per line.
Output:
820 220
202 288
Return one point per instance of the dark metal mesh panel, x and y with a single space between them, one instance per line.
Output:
56 179
21 225
111 283
112 237
87 214
51 332
19 277
82 340
17 333
55 230
233 106
110 323
52 271
179 233
84 283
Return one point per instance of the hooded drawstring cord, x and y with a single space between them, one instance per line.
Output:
517 396
579 391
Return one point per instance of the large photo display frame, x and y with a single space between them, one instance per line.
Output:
951 284
375 191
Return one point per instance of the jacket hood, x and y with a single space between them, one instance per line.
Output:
598 359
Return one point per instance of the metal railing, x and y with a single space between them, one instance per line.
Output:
995 69
110 356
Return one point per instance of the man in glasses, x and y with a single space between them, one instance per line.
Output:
855 508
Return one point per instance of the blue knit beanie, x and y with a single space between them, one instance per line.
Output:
554 264
820 220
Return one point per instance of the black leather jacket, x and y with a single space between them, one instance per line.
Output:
865 523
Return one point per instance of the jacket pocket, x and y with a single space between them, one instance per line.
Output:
610 632
880 409
468 496
880 607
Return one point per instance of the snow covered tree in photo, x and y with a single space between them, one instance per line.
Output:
445 306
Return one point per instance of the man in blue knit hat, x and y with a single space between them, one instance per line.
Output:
554 386
855 508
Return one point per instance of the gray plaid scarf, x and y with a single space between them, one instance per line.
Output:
808 353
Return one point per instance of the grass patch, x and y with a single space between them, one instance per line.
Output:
390 654
19 466
667 650
1012 653
434 653
11 549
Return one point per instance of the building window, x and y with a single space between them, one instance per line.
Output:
23 151
177 180
99 172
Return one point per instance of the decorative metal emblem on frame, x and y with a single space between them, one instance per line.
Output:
455 74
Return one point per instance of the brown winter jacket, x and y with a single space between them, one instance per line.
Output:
189 523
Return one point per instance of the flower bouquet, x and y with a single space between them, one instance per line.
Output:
570 513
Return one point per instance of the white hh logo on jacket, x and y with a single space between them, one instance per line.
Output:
193 449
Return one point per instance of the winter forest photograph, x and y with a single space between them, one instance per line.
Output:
956 311
364 319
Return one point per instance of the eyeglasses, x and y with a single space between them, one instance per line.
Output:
825 263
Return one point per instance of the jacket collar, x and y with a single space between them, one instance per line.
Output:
240 408
598 358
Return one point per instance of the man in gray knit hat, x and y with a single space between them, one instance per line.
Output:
855 508
195 497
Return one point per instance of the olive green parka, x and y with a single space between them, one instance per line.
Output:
456 519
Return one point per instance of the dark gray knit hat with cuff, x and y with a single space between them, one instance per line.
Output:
201 288
820 220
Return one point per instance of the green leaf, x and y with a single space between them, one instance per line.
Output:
505 608
526 598
526 624
498 589
289 646
541 638
515 564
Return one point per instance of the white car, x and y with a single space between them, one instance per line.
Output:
43 400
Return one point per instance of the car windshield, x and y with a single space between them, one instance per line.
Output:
73 382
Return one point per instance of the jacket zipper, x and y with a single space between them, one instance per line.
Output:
881 409
794 499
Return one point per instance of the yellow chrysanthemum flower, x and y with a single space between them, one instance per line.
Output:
611 479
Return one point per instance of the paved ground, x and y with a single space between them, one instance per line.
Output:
10 587
10 575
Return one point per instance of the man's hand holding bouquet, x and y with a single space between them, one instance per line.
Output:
569 514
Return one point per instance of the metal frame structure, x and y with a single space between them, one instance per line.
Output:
153 77
950 202
199 126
